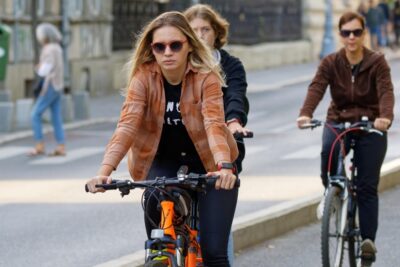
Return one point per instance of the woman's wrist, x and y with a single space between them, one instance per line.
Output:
233 120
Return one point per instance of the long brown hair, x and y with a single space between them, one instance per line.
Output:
200 56
218 23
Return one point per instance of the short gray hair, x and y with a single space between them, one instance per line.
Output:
47 33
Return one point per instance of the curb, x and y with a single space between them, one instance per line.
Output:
254 228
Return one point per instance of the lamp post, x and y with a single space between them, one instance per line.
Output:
328 42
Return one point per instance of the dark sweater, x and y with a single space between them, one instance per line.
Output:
236 105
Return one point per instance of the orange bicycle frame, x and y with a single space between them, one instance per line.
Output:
193 256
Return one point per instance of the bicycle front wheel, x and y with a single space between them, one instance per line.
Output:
155 264
354 237
332 229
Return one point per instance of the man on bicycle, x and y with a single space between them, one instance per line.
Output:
360 85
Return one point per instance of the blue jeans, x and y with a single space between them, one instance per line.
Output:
51 99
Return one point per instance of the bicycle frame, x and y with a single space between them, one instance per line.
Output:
170 237
347 196
341 209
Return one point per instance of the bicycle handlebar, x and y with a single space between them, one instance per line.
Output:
192 180
366 126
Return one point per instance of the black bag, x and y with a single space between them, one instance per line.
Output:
37 86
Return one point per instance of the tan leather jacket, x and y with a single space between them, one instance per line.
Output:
368 93
142 117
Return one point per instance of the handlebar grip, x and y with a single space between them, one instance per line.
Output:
111 186
212 179
237 135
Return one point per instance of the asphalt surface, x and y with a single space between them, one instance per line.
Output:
301 247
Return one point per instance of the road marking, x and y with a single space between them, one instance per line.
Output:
93 133
72 155
309 152
12 151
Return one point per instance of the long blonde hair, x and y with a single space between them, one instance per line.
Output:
200 57
218 23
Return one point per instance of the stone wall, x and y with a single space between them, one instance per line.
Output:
89 46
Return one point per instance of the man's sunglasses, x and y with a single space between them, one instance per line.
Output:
174 46
356 32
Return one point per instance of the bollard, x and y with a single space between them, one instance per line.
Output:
23 113
5 95
6 111
81 105
67 108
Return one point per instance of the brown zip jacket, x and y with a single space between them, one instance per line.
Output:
367 93
142 117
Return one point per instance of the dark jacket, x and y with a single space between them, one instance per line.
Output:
236 104
367 93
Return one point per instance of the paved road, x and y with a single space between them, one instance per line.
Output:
301 247
47 220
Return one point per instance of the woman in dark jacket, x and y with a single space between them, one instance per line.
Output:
213 30
360 86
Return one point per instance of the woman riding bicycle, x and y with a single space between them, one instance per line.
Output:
360 85
212 28
173 115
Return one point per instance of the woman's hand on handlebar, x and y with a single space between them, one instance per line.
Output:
99 179
382 124
235 126
302 120
226 179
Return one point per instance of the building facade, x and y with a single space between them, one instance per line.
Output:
99 35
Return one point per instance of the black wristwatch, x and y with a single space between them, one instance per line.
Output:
225 165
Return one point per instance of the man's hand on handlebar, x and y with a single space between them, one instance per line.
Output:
382 124
302 120
99 179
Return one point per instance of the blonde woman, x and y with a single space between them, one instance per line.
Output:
173 115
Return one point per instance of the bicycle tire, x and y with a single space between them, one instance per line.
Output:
332 243
354 238
155 264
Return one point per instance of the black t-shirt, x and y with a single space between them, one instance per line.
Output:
175 141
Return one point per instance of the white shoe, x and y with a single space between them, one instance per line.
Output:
321 206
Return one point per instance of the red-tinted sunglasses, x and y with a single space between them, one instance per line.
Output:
174 46
356 32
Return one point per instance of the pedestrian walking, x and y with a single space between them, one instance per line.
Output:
396 22
50 70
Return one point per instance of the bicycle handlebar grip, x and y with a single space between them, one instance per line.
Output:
111 186
212 179
237 135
